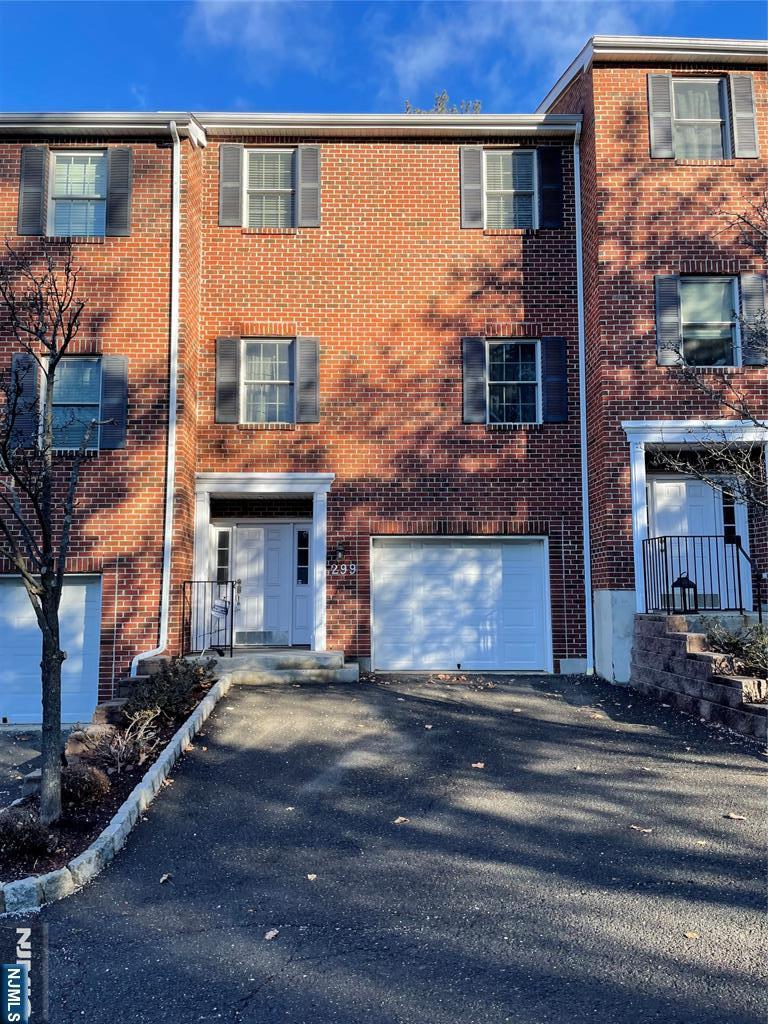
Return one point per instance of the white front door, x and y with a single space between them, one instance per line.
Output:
263 563
691 514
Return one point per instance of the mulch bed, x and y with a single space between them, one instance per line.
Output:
77 828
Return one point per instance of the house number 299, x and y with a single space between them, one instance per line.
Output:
342 568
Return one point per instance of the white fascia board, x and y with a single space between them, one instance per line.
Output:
102 123
693 431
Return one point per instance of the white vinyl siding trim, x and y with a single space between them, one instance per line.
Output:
489 384
277 389
269 203
491 192
77 193
731 324
679 122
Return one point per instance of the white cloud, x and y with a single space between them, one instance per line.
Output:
269 33
497 41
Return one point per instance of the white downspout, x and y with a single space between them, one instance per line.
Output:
583 406
170 468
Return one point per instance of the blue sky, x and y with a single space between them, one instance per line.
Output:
320 56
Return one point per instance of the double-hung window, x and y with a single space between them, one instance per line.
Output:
78 193
513 382
268 381
510 188
709 324
699 111
76 402
270 188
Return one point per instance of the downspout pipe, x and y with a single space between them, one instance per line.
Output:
173 387
586 542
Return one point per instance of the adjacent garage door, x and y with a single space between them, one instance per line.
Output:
478 604
80 616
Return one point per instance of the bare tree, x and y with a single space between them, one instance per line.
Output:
442 105
738 469
41 311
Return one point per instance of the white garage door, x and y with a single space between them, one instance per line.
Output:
80 616
478 604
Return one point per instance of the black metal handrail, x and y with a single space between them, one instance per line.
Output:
704 572
207 620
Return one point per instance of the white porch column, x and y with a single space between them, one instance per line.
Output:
639 516
202 550
319 547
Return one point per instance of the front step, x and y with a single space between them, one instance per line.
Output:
109 713
269 661
294 676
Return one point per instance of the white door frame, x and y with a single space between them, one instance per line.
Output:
487 539
276 485
672 433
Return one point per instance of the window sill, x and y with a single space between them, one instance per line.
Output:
729 162
503 428
511 231
265 426
76 239
270 231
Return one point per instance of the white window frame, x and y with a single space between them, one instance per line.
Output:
291 343
52 199
733 322
512 341
511 192
95 444
723 120
293 190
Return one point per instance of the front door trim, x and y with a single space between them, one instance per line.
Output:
314 485
672 433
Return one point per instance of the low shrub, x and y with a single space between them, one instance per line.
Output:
23 834
82 785
172 691
121 749
746 650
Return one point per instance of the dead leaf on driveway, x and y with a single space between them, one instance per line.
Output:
271 934
478 764
517 711
312 878
735 817
427 726
639 828
290 808
691 935
165 878
400 820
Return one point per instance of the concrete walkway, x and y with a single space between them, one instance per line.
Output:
516 891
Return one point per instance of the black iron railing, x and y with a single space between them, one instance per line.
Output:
699 573
206 616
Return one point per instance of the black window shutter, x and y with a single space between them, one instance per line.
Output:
550 187
660 115
754 344
308 187
471 172
307 380
114 401
32 180
119 188
669 331
230 185
23 394
743 118
554 380
227 380
473 361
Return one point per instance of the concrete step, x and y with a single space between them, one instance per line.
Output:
302 676
268 661
110 712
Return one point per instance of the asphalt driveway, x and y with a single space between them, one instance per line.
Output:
560 839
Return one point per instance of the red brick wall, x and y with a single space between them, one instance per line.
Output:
125 283
643 217
389 284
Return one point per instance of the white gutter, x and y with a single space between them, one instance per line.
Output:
586 542
170 466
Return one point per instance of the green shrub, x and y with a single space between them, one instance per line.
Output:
746 650
82 785
172 691
22 833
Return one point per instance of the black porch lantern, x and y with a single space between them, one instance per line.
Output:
689 593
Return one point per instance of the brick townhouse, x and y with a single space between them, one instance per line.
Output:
392 384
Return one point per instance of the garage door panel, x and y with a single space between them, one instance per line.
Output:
479 604
80 615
